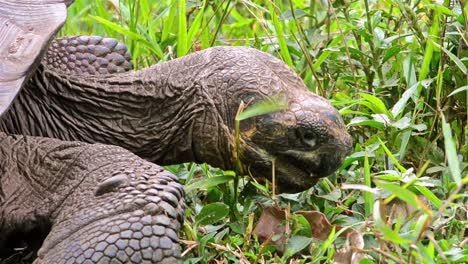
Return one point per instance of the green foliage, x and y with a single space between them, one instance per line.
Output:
267 106
395 69
211 213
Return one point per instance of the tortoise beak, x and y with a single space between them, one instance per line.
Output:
298 170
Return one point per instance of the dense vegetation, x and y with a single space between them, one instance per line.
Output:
396 70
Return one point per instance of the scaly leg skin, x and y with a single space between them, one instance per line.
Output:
87 55
105 204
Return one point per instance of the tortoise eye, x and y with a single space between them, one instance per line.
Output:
307 137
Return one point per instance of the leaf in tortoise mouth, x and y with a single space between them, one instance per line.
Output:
270 229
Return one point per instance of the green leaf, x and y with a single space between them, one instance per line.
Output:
330 239
391 156
401 104
429 50
154 47
208 182
116 27
326 53
360 187
378 37
458 90
304 226
451 153
169 22
402 123
280 35
296 244
421 224
368 197
182 31
429 195
409 71
196 26
402 193
426 253
454 58
298 13
204 240
374 104
442 9
387 232
390 53
457 255
212 213
267 106
364 121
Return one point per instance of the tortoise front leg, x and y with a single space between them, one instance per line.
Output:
105 204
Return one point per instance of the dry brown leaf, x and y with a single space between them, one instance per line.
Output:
271 223
221 261
294 261
350 253
398 209
319 224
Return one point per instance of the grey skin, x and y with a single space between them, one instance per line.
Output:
110 202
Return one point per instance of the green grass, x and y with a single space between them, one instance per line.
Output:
395 69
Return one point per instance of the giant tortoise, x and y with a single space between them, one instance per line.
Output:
79 142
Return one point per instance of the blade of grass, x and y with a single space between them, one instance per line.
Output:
208 182
153 47
226 11
280 35
451 152
382 227
429 50
182 31
169 22
263 107
195 27
368 197
429 195
404 195
390 155
375 104
454 58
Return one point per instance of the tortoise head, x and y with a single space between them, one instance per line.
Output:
308 140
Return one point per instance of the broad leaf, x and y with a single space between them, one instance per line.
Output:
263 107
212 213
208 182
451 153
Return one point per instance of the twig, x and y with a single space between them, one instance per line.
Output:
191 245
437 247
273 178
381 252
225 12
305 50
241 257
348 54
262 249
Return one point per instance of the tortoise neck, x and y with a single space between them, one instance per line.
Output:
163 113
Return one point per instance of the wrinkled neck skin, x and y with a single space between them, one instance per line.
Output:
173 112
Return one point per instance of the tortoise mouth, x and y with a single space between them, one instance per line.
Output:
300 170
292 177
297 171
